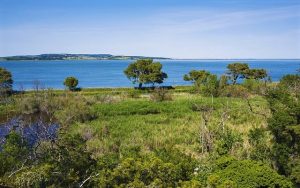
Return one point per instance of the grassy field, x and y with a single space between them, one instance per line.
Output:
127 122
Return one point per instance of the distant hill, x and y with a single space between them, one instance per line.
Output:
75 57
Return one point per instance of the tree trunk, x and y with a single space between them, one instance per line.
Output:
140 85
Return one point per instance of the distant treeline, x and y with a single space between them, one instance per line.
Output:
75 57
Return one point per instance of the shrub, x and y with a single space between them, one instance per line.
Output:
74 108
226 140
258 140
255 86
246 173
134 171
160 94
235 91
210 88
6 82
105 99
71 83
291 82
134 93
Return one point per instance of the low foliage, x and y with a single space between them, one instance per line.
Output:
245 173
160 94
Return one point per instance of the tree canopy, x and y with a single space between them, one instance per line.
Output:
71 82
256 74
236 71
196 76
145 71
285 126
6 81
205 81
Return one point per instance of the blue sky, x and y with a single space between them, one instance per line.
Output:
168 28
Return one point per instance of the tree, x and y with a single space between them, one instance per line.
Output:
204 81
211 86
198 77
145 71
71 83
6 81
256 74
285 126
236 71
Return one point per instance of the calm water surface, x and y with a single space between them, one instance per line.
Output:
109 73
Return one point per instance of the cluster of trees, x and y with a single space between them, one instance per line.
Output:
242 70
145 71
210 85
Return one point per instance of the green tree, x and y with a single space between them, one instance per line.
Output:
145 71
6 82
197 77
71 82
236 71
285 126
211 86
256 74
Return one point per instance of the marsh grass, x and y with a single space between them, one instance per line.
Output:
128 121
139 125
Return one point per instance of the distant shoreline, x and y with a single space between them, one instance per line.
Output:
106 57
165 59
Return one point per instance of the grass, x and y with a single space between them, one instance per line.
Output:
129 122
140 124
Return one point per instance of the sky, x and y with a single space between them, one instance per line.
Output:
166 28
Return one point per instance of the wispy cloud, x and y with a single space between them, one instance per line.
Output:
203 20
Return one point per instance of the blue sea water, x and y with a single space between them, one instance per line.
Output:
109 73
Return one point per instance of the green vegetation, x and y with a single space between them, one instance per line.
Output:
71 83
5 82
145 71
75 57
241 135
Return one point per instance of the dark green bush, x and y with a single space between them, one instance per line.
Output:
71 82
151 172
246 174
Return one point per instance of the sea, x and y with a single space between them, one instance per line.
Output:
109 73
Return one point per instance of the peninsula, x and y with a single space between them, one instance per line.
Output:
75 57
